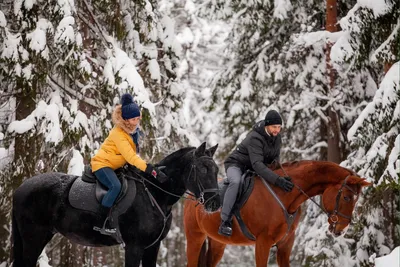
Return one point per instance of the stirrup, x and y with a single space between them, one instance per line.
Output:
104 230
114 232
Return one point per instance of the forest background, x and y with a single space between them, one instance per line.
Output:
207 70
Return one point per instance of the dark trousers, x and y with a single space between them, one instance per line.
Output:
234 175
108 178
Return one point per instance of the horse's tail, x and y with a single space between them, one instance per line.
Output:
17 249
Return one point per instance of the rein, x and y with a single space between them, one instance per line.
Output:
289 217
154 202
334 215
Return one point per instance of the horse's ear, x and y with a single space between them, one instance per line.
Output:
364 183
162 167
211 151
200 151
359 181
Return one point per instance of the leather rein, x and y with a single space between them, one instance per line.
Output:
290 217
200 199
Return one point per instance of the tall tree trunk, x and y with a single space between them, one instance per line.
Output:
333 133
27 148
26 153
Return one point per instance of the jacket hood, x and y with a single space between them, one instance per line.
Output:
120 122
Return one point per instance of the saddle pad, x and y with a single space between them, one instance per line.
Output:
245 189
82 195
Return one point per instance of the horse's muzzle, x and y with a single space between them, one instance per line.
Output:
213 203
334 232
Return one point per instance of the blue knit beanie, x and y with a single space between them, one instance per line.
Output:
129 108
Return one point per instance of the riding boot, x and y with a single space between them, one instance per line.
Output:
225 228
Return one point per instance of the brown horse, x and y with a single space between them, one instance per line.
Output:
265 218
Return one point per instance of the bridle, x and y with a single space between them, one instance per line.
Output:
334 215
200 187
200 199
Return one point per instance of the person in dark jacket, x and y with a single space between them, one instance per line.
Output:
260 147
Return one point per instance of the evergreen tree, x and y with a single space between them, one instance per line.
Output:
376 140
277 60
366 31
63 67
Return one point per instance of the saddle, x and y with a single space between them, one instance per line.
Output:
87 192
245 189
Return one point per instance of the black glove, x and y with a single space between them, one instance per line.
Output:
285 183
156 173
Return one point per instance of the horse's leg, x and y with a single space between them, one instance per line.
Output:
133 255
284 249
263 245
34 239
215 252
194 242
17 244
194 236
150 255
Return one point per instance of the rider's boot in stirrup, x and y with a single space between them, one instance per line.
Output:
225 228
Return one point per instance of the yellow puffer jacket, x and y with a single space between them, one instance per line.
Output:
118 148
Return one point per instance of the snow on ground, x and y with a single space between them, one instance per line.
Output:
391 260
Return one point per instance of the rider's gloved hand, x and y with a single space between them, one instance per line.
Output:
156 173
285 183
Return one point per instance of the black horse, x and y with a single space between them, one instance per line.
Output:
41 208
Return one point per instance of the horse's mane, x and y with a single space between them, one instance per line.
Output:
174 156
302 163
327 166
291 163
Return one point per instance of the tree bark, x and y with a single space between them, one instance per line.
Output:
333 131
26 152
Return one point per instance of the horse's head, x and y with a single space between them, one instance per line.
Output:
339 201
202 178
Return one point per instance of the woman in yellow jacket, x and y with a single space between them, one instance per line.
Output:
121 147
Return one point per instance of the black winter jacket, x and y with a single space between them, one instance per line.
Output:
256 151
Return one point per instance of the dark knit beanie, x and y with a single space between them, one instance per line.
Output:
129 108
273 118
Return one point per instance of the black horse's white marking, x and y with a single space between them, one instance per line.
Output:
41 208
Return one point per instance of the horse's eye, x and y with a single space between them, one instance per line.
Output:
347 199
